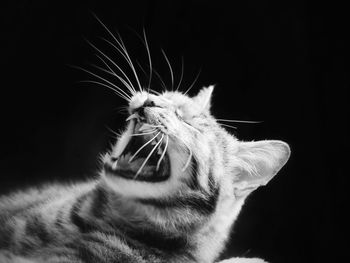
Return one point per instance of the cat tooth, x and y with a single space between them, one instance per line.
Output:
144 127
115 165
124 158
132 116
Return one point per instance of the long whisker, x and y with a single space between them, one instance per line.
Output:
157 74
124 56
238 121
130 85
191 127
182 73
115 75
122 46
104 63
144 133
155 92
189 150
230 126
149 59
163 153
120 51
99 77
122 109
188 160
170 69
149 156
160 79
127 98
114 132
144 72
144 41
132 90
199 72
143 146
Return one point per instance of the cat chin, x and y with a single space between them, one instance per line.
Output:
140 189
150 172
148 189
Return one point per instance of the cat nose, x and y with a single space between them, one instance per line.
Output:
147 103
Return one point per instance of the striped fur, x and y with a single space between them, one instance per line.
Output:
185 218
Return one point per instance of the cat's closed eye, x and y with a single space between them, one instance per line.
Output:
179 114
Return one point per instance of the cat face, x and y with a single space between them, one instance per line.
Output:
165 136
172 143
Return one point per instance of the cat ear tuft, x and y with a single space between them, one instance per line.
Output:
258 163
203 98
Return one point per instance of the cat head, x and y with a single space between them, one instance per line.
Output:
173 145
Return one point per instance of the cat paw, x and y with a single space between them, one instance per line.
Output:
243 260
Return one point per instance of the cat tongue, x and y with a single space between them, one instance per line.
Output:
134 145
138 151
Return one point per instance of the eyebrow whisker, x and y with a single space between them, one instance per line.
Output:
170 69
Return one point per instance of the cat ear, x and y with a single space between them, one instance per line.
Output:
203 98
258 163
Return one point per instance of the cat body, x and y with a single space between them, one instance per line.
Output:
169 191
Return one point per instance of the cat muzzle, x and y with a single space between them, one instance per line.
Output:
144 158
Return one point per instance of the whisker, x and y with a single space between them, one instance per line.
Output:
115 87
124 56
144 41
191 127
114 64
104 63
188 160
144 72
142 69
182 73
122 46
246 252
122 109
238 121
157 74
120 51
115 75
163 153
189 150
127 98
160 79
129 83
116 134
230 126
148 156
199 72
153 91
170 68
144 133
143 146
149 59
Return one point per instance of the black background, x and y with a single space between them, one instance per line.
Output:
285 63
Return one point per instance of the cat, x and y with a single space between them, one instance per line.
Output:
169 190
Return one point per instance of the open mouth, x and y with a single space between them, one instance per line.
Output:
144 158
